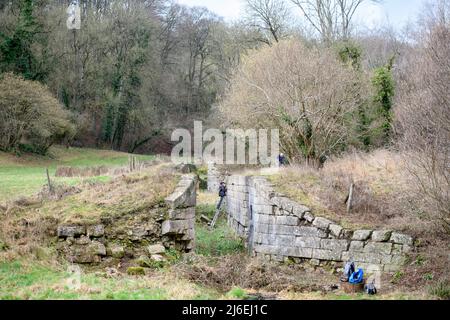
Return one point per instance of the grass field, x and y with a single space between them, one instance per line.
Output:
25 175
37 281
46 278
218 269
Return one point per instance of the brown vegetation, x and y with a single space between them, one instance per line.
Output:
422 113
310 99
30 115
26 224
382 195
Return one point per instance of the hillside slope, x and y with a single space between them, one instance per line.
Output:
25 175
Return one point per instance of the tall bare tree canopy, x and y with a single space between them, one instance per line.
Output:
422 109
311 99
332 19
271 17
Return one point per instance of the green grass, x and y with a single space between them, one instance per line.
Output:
218 242
237 293
441 289
207 210
25 175
33 281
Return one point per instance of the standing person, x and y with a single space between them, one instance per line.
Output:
281 159
222 193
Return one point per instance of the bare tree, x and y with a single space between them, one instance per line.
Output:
423 112
330 18
311 99
269 16
196 26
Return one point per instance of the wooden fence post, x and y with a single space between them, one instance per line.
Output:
50 187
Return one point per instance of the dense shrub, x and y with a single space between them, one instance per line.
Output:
308 93
30 117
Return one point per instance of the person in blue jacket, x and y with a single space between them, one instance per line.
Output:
222 193
281 159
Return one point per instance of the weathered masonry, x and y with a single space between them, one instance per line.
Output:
141 234
213 178
280 229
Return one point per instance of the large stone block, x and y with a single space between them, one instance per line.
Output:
335 230
288 205
116 251
296 252
84 254
334 244
264 218
308 216
261 227
182 214
310 232
299 210
285 240
265 238
304 253
96 231
308 242
378 247
71 231
282 229
137 233
361 235
361 257
176 226
97 248
357 246
262 209
401 238
283 203
184 195
87 253
370 269
381 235
266 249
322 223
329 255
287 220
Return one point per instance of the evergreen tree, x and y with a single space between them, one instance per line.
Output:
383 83
350 54
16 49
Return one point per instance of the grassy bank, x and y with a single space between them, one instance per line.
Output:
39 281
25 175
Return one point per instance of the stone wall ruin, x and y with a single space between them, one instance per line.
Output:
277 228
141 234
